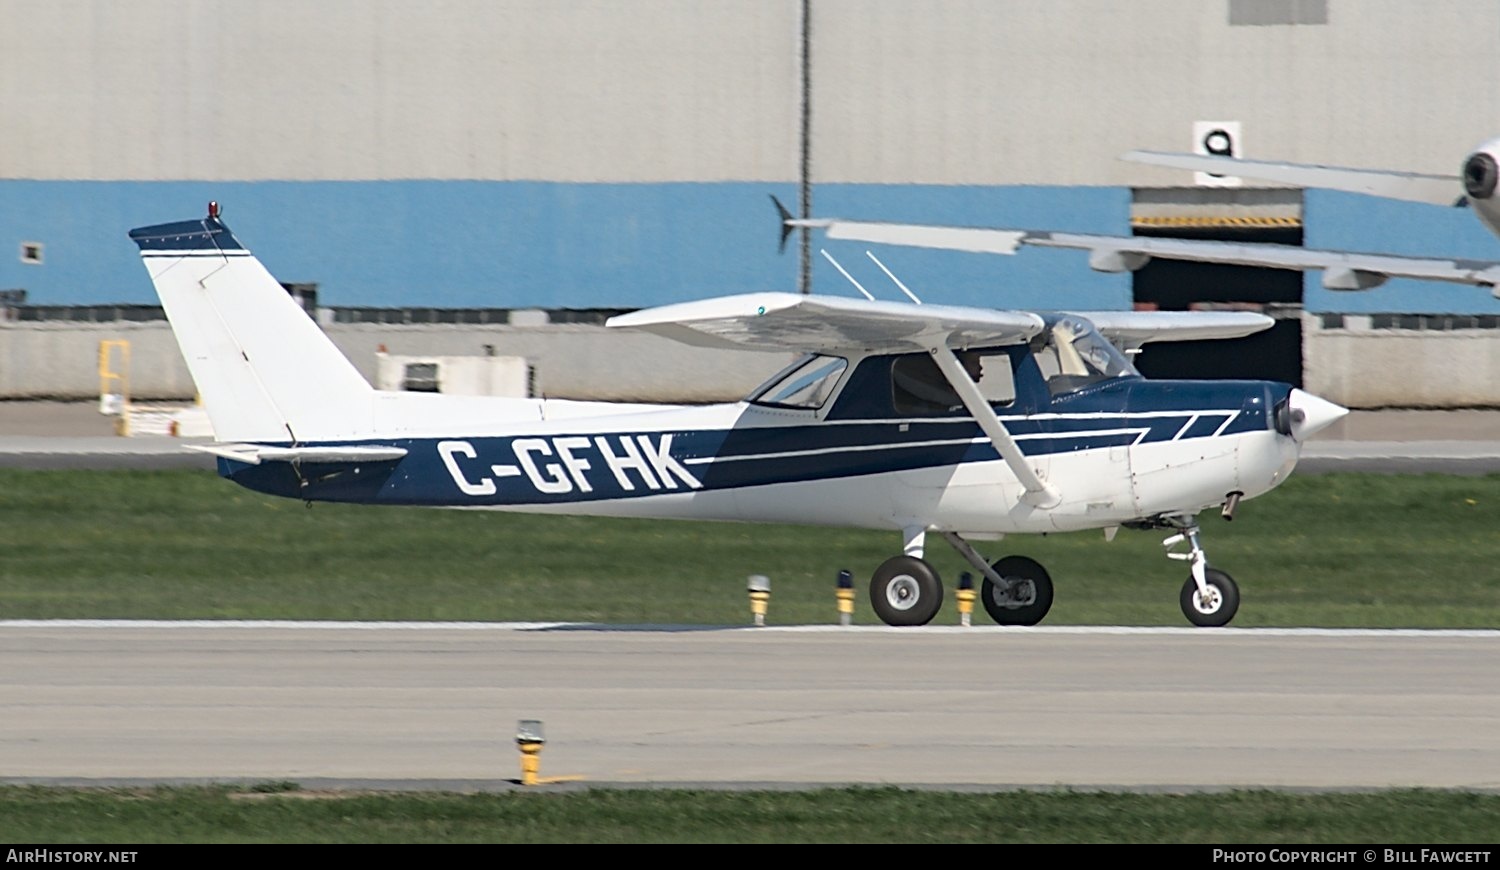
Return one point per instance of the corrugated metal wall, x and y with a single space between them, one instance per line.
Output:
905 91
559 90
580 153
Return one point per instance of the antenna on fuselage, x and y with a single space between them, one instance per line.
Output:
910 295
829 257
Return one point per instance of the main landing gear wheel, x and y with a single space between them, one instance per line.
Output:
906 591
1215 609
1026 601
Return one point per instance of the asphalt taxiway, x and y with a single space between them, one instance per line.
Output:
438 706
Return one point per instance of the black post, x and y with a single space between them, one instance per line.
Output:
805 279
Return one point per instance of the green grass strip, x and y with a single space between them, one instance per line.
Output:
1334 550
854 815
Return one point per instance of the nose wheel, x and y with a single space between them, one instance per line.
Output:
1210 597
1215 604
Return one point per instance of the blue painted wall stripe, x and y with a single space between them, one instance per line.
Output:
473 244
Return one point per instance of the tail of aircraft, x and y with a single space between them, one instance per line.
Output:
264 370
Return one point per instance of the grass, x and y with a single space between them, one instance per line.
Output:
1337 550
211 814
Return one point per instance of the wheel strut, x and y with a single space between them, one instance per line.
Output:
980 565
1197 559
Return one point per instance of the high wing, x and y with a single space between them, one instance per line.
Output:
829 324
1128 330
1342 270
1408 186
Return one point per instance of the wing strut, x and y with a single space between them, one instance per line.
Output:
1038 492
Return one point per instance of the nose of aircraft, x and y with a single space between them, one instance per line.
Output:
1310 414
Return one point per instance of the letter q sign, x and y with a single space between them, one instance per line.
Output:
1216 139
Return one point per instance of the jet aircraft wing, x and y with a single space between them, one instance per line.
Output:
1408 186
828 324
1342 270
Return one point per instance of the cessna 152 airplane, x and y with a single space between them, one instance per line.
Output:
1342 270
967 423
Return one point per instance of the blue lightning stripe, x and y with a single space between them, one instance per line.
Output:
493 471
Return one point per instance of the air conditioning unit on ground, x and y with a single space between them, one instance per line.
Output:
455 375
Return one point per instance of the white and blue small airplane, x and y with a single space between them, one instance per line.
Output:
1474 187
967 423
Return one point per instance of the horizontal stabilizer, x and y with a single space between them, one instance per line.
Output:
255 454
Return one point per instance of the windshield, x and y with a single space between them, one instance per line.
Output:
806 383
1074 355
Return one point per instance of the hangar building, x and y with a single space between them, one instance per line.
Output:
573 155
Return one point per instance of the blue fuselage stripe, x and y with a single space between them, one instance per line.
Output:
560 468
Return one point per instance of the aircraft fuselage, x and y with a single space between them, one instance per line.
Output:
1122 451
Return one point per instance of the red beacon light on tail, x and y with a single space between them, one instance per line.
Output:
213 210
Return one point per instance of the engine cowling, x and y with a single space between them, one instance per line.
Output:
1482 172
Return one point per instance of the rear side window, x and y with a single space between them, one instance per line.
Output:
919 388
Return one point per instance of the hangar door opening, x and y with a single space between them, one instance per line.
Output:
1230 215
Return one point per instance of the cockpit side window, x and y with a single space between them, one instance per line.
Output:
1073 355
919 388
806 383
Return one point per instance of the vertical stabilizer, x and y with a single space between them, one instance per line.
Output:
264 370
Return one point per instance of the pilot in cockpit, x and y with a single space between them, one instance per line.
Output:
973 363
920 387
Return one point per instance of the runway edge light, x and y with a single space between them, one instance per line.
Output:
760 597
845 593
965 598
529 738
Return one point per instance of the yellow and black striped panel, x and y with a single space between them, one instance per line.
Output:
1210 221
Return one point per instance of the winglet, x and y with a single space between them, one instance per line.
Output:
786 222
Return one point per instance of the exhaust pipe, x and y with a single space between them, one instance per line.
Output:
1231 502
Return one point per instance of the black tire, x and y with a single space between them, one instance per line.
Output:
1224 603
1034 592
906 591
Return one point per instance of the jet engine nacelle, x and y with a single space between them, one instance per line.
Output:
1481 176
1482 170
